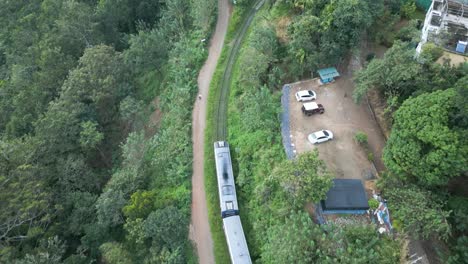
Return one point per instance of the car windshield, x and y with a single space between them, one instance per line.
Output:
311 93
325 133
313 136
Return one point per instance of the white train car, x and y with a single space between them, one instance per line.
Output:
232 225
235 238
226 185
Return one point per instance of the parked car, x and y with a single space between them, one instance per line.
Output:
312 108
306 95
320 136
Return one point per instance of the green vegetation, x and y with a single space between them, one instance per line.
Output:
361 138
419 212
431 52
221 252
427 152
299 240
271 189
429 155
373 204
85 176
303 179
89 174
322 32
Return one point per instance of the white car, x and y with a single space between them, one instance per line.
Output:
320 136
306 95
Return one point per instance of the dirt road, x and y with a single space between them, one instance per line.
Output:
199 228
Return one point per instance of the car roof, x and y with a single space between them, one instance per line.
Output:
303 92
319 133
310 106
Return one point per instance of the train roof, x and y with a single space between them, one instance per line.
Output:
221 144
236 240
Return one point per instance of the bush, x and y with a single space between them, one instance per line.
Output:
408 10
431 52
361 138
370 156
370 56
373 204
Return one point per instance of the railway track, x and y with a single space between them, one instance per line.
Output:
221 113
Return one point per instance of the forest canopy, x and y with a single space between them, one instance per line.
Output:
84 176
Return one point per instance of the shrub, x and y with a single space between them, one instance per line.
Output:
361 138
373 204
370 156
408 10
431 52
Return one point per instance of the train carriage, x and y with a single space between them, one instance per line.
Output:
232 225
226 185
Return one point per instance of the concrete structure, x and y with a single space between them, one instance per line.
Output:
446 25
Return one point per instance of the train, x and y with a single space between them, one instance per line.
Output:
232 225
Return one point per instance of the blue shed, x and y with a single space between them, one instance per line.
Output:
328 75
461 46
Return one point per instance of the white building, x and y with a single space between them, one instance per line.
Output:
446 24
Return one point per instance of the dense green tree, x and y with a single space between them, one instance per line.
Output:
165 256
168 226
109 208
113 252
431 52
419 212
203 13
25 198
343 22
293 241
141 204
299 240
460 115
304 179
90 137
259 106
147 51
459 252
50 251
76 28
62 109
80 212
395 75
76 175
304 44
422 147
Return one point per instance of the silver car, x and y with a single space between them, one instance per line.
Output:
306 95
320 136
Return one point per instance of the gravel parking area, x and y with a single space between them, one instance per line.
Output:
343 156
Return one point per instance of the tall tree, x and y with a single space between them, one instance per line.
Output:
422 147
395 75
293 241
420 213
304 179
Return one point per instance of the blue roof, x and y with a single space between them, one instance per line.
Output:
461 46
328 73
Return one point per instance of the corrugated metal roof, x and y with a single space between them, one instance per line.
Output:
346 194
328 73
